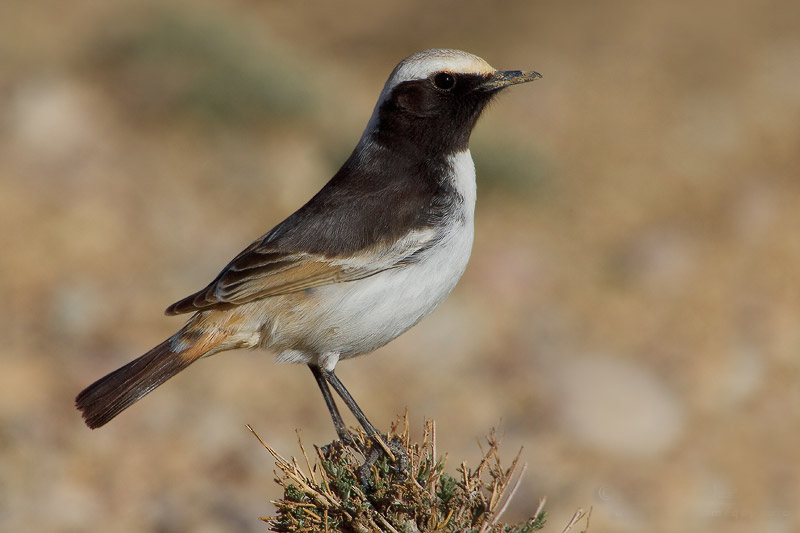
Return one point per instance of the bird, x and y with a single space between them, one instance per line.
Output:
377 249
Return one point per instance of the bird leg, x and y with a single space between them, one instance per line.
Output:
393 449
338 422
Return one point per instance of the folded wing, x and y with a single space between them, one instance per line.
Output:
263 270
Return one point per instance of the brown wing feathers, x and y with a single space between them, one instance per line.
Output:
255 277
259 273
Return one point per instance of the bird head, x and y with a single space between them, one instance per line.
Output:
433 98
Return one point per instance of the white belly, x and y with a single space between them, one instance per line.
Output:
364 315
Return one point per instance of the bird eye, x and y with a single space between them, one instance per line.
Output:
444 81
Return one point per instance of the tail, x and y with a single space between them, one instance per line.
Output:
110 395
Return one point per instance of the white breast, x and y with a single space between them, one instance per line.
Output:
358 317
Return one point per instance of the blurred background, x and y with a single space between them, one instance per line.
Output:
630 314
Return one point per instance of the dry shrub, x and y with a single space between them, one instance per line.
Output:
331 495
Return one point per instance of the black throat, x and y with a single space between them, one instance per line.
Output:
421 121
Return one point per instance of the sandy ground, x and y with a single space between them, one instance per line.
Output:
630 315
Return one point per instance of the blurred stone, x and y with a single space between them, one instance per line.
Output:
74 505
739 379
659 258
25 386
77 309
618 406
51 119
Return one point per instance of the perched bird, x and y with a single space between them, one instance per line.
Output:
370 255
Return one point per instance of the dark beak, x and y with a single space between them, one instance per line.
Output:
504 78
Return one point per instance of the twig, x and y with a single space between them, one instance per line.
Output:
386 523
575 518
305 455
542 500
511 495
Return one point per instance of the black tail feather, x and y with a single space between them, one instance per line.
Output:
110 395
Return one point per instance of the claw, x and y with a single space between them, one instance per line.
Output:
399 465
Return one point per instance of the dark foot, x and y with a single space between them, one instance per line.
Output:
332 450
399 465
346 440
